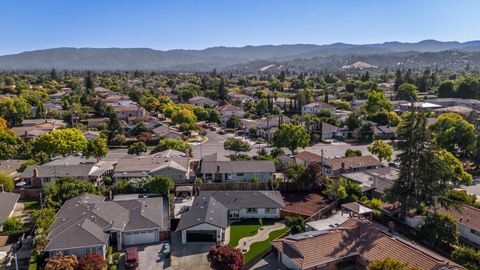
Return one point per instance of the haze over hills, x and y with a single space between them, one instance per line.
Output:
299 56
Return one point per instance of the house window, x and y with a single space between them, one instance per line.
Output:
239 174
270 210
251 210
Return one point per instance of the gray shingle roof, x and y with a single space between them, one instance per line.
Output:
238 166
77 170
212 206
141 166
7 204
86 220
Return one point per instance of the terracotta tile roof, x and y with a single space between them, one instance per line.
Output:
351 162
357 238
467 216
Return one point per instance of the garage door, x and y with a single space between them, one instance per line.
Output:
202 236
136 238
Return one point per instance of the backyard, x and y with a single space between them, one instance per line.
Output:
249 231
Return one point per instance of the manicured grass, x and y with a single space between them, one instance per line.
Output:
245 228
31 206
259 247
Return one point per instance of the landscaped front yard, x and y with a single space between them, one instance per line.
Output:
248 228
245 228
259 247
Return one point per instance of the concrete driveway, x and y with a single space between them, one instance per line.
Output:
150 258
189 256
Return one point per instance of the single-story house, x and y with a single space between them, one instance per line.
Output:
306 157
203 101
8 201
333 132
384 132
38 176
468 220
89 224
374 181
229 110
236 171
175 167
355 244
208 217
317 107
10 167
338 166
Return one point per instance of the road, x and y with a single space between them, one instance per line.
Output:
215 145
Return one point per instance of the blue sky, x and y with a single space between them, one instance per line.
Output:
197 24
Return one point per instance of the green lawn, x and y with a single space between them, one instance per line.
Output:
30 206
259 247
245 228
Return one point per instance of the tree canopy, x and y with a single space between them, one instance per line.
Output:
60 142
291 136
455 134
381 149
236 145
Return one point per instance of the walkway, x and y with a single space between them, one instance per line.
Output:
262 234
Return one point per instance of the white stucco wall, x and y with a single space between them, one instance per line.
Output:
81 252
466 233
260 214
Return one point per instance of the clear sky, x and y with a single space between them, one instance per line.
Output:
197 24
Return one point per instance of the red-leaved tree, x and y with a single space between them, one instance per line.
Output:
92 261
225 258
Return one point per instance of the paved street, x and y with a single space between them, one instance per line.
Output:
215 145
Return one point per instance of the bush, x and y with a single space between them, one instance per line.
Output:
296 224
468 257
225 257
441 231
92 261
7 182
13 224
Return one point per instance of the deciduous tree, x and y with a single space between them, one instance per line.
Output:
96 148
381 149
137 148
236 145
291 136
225 258
92 261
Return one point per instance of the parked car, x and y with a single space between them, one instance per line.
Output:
131 258
221 132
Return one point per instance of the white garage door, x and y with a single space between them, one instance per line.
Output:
136 238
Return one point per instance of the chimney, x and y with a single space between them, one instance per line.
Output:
391 227
35 173
1 188
343 165
218 168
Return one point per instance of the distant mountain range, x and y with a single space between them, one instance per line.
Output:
450 54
